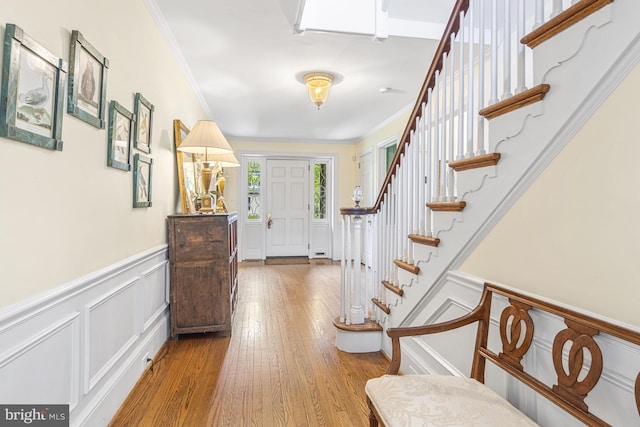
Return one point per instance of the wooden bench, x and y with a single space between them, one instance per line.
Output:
425 400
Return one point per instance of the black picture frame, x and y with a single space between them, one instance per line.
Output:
31 96
87 89
120 133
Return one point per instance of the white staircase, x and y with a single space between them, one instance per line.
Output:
582 65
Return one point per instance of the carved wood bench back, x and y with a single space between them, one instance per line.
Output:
574 380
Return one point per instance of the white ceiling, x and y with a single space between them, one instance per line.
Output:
245 58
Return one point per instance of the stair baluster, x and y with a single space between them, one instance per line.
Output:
480 148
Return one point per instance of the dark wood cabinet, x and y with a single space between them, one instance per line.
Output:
203 272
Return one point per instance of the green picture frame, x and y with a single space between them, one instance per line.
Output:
143 111
31 96
142 176
87 89
120 133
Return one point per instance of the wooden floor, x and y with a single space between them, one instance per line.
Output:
280 367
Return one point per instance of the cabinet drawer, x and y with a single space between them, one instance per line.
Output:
198 241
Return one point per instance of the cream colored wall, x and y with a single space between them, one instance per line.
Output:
392 128
66 214
345 165
573 236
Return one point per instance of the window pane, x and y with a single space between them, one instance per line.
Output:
253 191
320 191
391 151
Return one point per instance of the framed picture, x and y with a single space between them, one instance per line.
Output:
87 90
142 134
142 173
31 98
120 125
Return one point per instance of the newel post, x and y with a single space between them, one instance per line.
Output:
351 286
356 332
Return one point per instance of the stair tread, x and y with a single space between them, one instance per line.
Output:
380 305
424 240
447 206
573 14
406 266
393 288
367 326
476 162
522 99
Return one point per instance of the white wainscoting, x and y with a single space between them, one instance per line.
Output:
252 238
86 343
450 353
320 240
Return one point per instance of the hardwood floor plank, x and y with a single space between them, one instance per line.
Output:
280 367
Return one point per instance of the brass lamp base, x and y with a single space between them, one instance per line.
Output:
206 204
207 201
220 184
220 205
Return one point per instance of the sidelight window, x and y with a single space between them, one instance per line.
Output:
253 191
320 191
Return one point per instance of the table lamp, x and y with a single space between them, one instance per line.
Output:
206 138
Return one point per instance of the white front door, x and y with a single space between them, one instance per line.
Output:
287 208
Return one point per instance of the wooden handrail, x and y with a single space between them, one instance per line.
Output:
444 47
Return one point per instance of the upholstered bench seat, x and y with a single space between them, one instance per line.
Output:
439 400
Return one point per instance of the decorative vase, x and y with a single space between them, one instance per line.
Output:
220 183
206 199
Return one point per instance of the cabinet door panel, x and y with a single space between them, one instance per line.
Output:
201 296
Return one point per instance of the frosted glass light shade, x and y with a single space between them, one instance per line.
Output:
318 84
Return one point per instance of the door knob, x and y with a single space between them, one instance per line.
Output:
269 221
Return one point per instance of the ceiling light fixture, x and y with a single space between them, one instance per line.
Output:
318 84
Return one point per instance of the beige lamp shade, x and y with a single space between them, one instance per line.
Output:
226 160
205 138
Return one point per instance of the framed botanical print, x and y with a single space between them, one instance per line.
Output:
87 89
142 133
142 173
120 126
31 97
